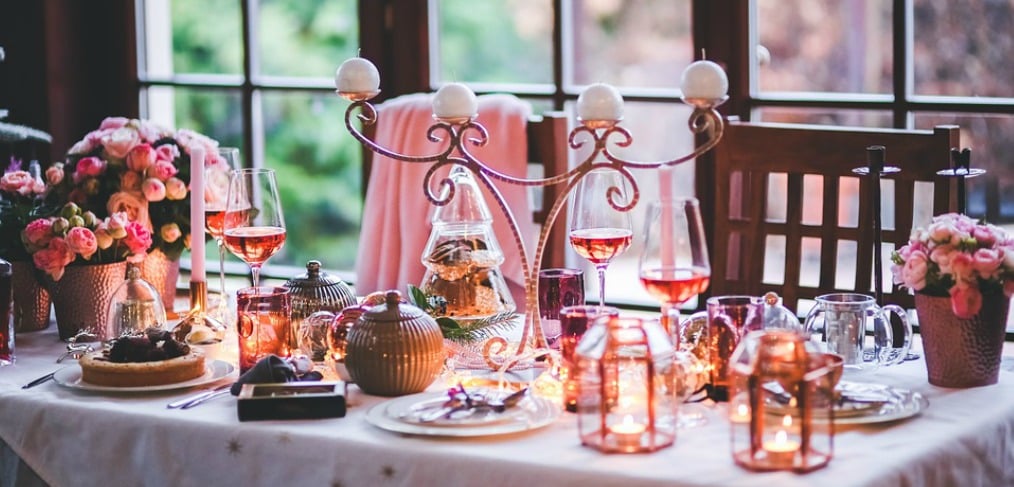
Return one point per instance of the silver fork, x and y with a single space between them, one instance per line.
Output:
190 401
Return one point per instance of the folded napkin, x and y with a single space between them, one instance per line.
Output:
272 370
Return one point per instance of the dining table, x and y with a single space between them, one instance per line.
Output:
59 435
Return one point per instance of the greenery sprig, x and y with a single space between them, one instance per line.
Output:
474 331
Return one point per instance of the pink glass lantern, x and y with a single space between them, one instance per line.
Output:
779 385
625 377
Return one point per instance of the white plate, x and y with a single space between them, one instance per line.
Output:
903 404
71 377
531 413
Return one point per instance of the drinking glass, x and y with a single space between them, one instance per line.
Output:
599 229
558 288
674 263
254 226
216 180
853 326
263 324
574 322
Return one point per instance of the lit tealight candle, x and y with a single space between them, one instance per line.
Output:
357 75
600 102
704 80
741 414
455 101
782 450
628 433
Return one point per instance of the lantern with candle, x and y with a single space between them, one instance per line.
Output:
625 377
779 384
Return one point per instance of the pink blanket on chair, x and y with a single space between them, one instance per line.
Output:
396 214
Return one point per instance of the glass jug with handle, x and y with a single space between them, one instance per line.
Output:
841 323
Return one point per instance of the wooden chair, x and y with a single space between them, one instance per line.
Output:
791 216
547 155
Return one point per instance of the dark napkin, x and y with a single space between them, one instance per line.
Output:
272 370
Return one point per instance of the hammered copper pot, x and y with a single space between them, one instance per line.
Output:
81 297
394 349
162 272
960 352
31 300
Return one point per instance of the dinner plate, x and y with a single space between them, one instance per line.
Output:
418 412
70 377
877 403
531 413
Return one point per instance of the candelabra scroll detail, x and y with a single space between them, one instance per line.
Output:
459 134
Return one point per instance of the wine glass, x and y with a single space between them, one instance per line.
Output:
254 226
599 231
673 269
216 177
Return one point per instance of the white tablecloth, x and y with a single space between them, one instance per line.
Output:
965 437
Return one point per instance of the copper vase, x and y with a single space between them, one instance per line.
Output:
81 297
162 272
960 352
31 300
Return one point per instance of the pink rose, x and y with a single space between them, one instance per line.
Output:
130 181
133 207
82 241
119 142
88 166
167 152
54 175
151 131
116 224
83 146
170 232
942 256
113 123
18 182
962 267
162 170
140 157
153 189
54 258
175 189
942 232
38 233
138 239
189 139
966 301
987 262
913 274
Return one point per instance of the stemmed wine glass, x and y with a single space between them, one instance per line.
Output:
216 177
599 231
254 226
673 269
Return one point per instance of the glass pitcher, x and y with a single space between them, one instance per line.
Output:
842 322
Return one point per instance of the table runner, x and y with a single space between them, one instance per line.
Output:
965 437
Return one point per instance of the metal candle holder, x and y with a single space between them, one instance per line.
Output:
875 170
705 119
961 161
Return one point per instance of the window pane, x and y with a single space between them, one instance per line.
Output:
319 178
207 36
216 113
495 41
659 132
323 32
963 48
825 45
826 116
991 139
643 43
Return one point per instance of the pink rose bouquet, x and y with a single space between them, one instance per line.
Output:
78 237
139 168
21 196
959 257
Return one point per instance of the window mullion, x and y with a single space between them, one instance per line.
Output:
903 66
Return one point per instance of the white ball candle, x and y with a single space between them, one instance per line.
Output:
704 79
455 100
357 75
600 102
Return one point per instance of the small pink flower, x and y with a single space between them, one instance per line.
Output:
119 142
170 232
18 182
162 170
151 131
987 262
140 157
913 274
82 241
132 205
942 256
153 189
175 189
54 175
38 233
113 123
962 267
130 181
984 236
138 238
943 232
88 166
167 152
966 301
116 224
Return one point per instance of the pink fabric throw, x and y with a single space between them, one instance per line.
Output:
396 214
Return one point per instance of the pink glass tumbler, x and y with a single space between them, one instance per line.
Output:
263 324
558 288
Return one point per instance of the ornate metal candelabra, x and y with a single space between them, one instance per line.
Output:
461 131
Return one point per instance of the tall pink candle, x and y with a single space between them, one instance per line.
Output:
197 273
665 195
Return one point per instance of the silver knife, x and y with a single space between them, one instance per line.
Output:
40 380
201 400
179 403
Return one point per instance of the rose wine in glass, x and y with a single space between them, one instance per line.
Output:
674 268
253 222
600 225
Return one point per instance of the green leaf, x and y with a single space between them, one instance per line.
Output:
418 298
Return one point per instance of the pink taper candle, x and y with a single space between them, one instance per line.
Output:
197 215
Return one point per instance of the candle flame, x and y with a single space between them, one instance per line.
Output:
781 437
628 420
786 421
742 410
